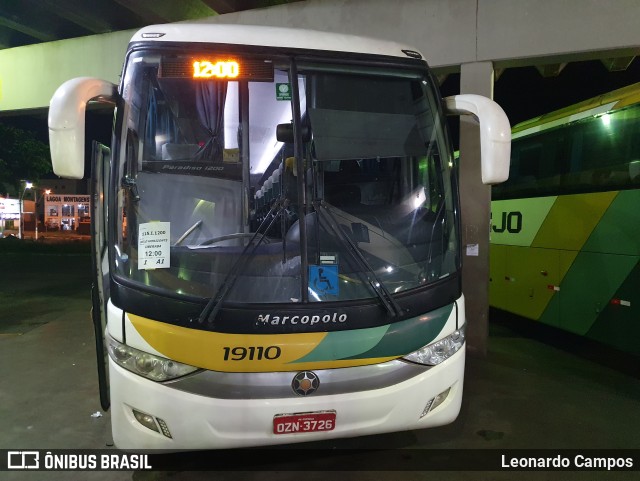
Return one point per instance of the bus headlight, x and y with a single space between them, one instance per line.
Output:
438 351
144 364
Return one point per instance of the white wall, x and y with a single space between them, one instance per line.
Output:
448 32
452 32
30 75
443 30
509 30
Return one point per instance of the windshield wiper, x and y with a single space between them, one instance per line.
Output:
376 284
187 233
212 308
433 229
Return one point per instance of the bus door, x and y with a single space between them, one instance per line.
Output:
99 262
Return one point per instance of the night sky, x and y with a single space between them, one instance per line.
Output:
524 93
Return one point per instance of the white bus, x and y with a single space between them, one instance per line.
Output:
275 235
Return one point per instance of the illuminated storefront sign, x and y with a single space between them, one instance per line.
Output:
66 212
67 199
9 209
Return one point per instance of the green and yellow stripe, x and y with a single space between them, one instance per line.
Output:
297 351
574 258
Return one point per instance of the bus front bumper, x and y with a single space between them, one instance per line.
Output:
185 420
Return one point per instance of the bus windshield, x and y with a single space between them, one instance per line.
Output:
261 179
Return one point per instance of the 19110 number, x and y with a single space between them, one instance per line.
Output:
252 353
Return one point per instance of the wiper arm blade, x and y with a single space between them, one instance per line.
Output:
433 229
187 233
214 305
376 284
385 297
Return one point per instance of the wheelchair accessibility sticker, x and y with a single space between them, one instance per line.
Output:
324 279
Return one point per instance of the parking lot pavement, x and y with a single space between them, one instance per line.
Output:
524 394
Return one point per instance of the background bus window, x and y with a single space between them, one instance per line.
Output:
595 154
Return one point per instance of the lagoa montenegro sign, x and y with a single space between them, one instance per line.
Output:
68 199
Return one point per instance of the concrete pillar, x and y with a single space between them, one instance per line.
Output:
475 197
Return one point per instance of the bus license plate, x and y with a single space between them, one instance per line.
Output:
304 422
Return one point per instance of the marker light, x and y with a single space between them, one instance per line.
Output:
144 364
435 402
164 428
439 351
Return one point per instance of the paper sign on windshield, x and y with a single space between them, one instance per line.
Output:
153 245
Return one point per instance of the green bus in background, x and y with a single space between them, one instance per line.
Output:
565 234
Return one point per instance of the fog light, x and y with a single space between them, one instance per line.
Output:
434 402
146 420
439 399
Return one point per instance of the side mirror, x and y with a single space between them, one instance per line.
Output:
495 133
284 133
66 122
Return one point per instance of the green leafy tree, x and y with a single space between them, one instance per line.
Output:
22 156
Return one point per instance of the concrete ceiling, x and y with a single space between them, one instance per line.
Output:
26 22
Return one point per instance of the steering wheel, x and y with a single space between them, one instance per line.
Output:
240 235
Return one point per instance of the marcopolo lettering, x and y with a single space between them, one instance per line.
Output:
296 319
509 221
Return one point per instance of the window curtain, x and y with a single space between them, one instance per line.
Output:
151 127
160 127
210 99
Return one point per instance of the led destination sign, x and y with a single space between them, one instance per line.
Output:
221 69
215 67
